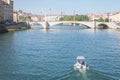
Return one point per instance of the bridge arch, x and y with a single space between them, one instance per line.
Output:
54 24
36 23
87 26
70 23
102 26
44 25
92 25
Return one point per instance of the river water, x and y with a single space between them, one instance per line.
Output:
38 54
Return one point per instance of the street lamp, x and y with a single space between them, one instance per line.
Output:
74 17
41 16
108 17
94 21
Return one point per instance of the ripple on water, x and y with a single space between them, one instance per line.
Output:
51 54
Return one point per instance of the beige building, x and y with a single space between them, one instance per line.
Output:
19 16
112 16
1 10
6 1
35 18
94 16
115 17
6 10
52 17
15 16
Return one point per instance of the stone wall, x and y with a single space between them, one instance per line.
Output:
3 29
18 26
14 27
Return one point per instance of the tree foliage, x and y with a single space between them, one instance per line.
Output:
102 20
99 20
66 18
76 18
24 18
106 20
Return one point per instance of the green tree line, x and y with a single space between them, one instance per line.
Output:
76 18
24 18
102 20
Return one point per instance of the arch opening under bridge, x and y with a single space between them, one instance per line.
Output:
102 26
92 25
78 23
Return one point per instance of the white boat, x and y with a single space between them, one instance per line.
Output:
80 64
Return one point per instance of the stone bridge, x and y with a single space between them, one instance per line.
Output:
91 25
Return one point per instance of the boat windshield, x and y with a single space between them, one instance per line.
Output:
80 58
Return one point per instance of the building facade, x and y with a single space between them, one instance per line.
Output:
115 17
6 10
15 16
111 16
1 10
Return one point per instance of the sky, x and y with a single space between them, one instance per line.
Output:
67 6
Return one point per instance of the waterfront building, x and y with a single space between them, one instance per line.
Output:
20 16
111 16
15 16
52 17
115 16
36 18
1 10
7 1
6 10
94 16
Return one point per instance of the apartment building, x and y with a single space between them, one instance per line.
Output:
115 16
6 10
1 10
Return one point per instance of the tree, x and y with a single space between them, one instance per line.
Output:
77 18
66 18
99 20
25 18
106 20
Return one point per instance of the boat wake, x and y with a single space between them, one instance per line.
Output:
81 71
90 74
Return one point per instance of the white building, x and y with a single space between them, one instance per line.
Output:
52 18
35 18
115 17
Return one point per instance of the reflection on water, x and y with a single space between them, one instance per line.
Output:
39 54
